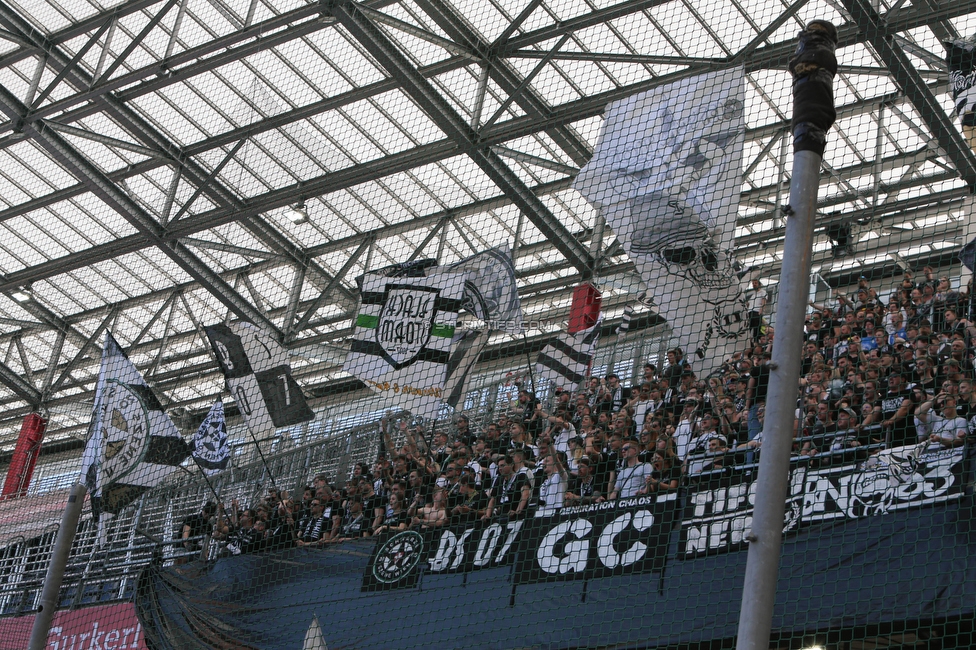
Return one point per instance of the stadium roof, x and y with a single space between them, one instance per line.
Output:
165 165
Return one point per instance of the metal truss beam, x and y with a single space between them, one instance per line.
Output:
113 196
883 39
504 74
20 386
769 57
192 171
356 21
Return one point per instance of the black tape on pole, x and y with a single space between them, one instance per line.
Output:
813 67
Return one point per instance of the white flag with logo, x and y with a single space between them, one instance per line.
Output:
133 444
667 176
403 338
491 303
209 447
258 376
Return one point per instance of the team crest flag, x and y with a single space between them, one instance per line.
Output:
133 444
258 376
209 447
403 337
666 176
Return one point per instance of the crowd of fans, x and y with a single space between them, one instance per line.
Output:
875 374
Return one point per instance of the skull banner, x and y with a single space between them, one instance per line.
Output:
666 177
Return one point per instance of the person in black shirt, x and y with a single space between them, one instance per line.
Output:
395 518
496 440
197 525
283 534
472 505
756 395
463 432
583 488
676 364
519 442
897 409
664 476
243 536
316 527
618 394
510 492
354 524
419 489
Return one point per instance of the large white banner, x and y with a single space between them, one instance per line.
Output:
133 445
403 339
666 176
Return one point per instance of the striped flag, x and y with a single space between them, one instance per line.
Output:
467 347
133 444
209 447
566 359
403 338
625 321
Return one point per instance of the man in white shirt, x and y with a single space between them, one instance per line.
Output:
633 475
947 429
553 488
685 430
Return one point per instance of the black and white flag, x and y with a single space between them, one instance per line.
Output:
566 360
666 176
403 339
491 303
625 320
961 61
209 447
133 444
258 377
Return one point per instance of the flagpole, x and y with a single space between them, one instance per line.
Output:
813 67
55 570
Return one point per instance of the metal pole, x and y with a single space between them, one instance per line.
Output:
813 116
55 571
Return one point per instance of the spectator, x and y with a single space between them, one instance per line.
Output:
632 475
244 538
434 514
316 528
510 492
395 518
757 303
552 490
583 488
354 523
896 407
522 442
687 425
196 526
462 431
473 503
945 429
665 476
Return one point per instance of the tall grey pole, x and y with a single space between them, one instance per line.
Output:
55 571
813 68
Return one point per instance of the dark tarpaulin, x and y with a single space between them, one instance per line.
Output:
908 565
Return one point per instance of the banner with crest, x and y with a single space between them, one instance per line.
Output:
403 339
134 444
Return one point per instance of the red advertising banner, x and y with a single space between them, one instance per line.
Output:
105 627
